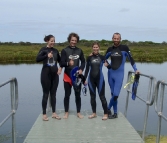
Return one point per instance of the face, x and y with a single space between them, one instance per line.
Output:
116 39
73 41
95 49
51 42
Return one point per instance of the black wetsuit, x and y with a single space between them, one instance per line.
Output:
67 54
96 80
49 76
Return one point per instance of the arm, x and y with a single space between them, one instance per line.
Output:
87 68
130 58
82 61
108 53
58 58
41 55
63 61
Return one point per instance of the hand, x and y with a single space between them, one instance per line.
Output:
90 54
80 71
59 71
85 83
50 55
106 63
71 62
137 72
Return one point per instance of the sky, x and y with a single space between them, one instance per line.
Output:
31 20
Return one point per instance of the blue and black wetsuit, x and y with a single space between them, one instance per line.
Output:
49 76
118 57
96 80
75 54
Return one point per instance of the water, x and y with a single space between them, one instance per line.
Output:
30 97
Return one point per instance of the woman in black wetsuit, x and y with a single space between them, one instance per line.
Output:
96 80
49 74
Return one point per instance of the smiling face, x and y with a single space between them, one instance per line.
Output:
95 49
51 42
73 41
116 39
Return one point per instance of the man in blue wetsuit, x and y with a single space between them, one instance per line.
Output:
118 54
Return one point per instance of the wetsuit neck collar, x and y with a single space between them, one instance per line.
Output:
95 54
49 47
72 47
116 46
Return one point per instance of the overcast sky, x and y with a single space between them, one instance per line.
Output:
31 20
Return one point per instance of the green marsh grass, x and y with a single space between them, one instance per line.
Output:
28 53
152 139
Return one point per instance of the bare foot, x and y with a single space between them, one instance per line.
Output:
79 115
45 118
54 115
92 116
105 117
65 115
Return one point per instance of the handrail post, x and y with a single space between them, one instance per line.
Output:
127 97
147 108
159 113
13 110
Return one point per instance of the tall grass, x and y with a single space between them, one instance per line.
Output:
26 54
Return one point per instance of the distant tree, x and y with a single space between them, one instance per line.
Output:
88 44
164 43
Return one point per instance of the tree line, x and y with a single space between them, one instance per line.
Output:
88 43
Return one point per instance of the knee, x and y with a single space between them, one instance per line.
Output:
77 95
103 99
115 98
92 97
66 97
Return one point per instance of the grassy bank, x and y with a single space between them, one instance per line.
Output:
152 139
27 53
148 139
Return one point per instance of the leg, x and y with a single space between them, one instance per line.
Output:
103 101
78 100
115 102
112 90
92 99
117 88
67 88
118 77
45 82
54 85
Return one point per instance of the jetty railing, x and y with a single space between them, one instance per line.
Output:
159 105
149 101
14 105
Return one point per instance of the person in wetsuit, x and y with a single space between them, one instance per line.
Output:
72 56
96 80
49 74
118 54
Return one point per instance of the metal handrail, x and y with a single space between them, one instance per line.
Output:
14 105
148 102
159 112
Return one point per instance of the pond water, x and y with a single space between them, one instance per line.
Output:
30 96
